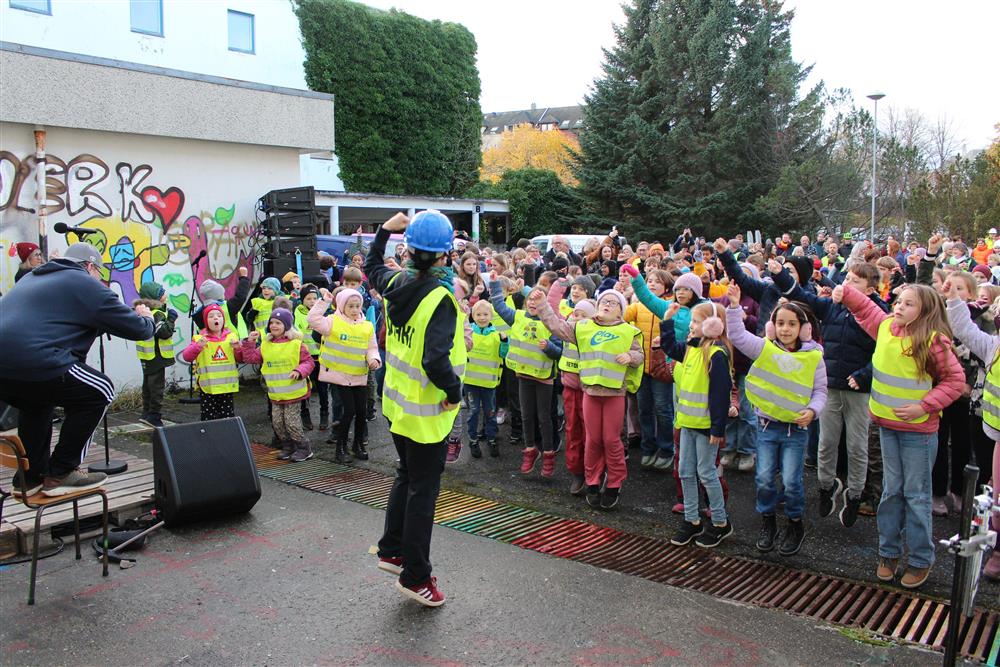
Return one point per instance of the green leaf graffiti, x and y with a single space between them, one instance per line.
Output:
223 216
182 302
174 279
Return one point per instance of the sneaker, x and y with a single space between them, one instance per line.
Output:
475 450
728 460
548 464
528 457
371 417
287 449
359 451
391 565
609 499
302 454
501 416
886 570
713 535
748 463
663 463
33 485
72 482
867 508
647 461
594 495
794 532
938 506
426 593
768 531
687 532
849 514
494 449
992 569
914 577
454 450
578 486
828 498
678 508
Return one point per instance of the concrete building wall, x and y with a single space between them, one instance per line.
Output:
156 202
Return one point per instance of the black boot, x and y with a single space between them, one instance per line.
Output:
341 455
324 419
768 531
794 532
307 420
477 451
494 449
359 452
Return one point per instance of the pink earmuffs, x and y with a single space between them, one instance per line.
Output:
713 326
805 331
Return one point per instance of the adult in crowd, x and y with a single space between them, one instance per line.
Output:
560 244
31 258
426 355
50 321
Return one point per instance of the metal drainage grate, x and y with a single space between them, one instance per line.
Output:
895 614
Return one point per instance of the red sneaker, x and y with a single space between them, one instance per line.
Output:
548 464
454 449
426 593
678 508
390 565
530 455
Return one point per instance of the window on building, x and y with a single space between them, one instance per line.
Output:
241 32
37 6
147 17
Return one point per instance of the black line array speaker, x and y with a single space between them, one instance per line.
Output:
302 224
282 265
203 470
286 247
290 199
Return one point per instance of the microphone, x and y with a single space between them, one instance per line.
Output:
63 228
199 257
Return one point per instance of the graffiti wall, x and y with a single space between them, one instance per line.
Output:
174 211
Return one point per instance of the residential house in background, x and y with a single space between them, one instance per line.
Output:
565 119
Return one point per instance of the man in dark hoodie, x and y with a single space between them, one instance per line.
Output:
425 356
50 321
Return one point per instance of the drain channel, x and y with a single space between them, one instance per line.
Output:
894 614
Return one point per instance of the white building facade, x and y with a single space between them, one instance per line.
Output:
159 125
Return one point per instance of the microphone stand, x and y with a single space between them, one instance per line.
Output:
191 398
110 466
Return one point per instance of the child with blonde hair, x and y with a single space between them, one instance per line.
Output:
482 376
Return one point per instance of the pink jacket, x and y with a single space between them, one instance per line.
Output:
322 324
555 295
949 378
251 355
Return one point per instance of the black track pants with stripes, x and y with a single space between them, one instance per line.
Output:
84 395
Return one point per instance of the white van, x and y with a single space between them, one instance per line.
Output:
576 241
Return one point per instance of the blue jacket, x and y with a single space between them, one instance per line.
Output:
764 293
49 321
847 349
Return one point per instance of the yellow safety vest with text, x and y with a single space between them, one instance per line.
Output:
345 347
485 364
692 388
569 362
280 359
524 356
598 346
895 378
215 366
780 382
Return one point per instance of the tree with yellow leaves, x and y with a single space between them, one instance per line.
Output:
525 146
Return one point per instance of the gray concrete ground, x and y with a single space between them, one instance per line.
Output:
293 583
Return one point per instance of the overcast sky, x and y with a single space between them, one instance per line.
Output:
936 57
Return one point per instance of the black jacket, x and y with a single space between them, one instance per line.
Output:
49 321
401 301
573 258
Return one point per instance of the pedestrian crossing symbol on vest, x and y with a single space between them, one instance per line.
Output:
220 355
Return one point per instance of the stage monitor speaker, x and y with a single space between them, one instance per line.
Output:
291 224
8 417
203 470
286 247
282 265
290 199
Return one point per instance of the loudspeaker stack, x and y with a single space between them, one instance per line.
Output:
290 226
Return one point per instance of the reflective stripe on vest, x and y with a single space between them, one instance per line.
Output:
991 394
263 309
692 389
146 350
569 362
599 348
564 308
484 366
524 355
410 402
345 346
215 366
780 383
302 324
280 359
895 379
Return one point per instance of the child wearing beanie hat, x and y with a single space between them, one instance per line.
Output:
261 305
285 365
611 357
291 283
214 353
30 256
157 353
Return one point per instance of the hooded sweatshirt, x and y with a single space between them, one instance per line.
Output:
50 319
321 323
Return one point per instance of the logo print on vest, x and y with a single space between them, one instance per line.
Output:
220 355
787 363
602 337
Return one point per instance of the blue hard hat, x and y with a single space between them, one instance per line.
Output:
430 230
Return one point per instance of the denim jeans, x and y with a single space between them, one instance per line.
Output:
780 446
656 417
696 462
741 432
907 460
482 401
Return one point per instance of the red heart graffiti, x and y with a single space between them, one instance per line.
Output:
166 204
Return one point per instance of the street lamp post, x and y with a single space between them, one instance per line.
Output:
876 97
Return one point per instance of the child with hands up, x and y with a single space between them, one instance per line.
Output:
215 351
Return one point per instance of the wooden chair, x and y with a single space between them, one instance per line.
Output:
13 455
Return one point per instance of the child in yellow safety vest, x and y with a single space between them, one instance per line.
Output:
215 351
261 306
915 375
704 382
308 296
786 385
482 376
157 353
610 352
349 350
285 365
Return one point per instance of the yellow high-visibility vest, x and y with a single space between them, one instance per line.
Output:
146 350
263 308
302 324
524 356
215 366
485 365
895 378
780 383
280 359
692 388
345 347
599 345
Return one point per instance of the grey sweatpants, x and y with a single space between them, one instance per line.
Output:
850 408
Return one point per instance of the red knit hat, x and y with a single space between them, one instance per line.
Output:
24 250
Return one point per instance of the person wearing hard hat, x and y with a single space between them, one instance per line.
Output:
425 361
